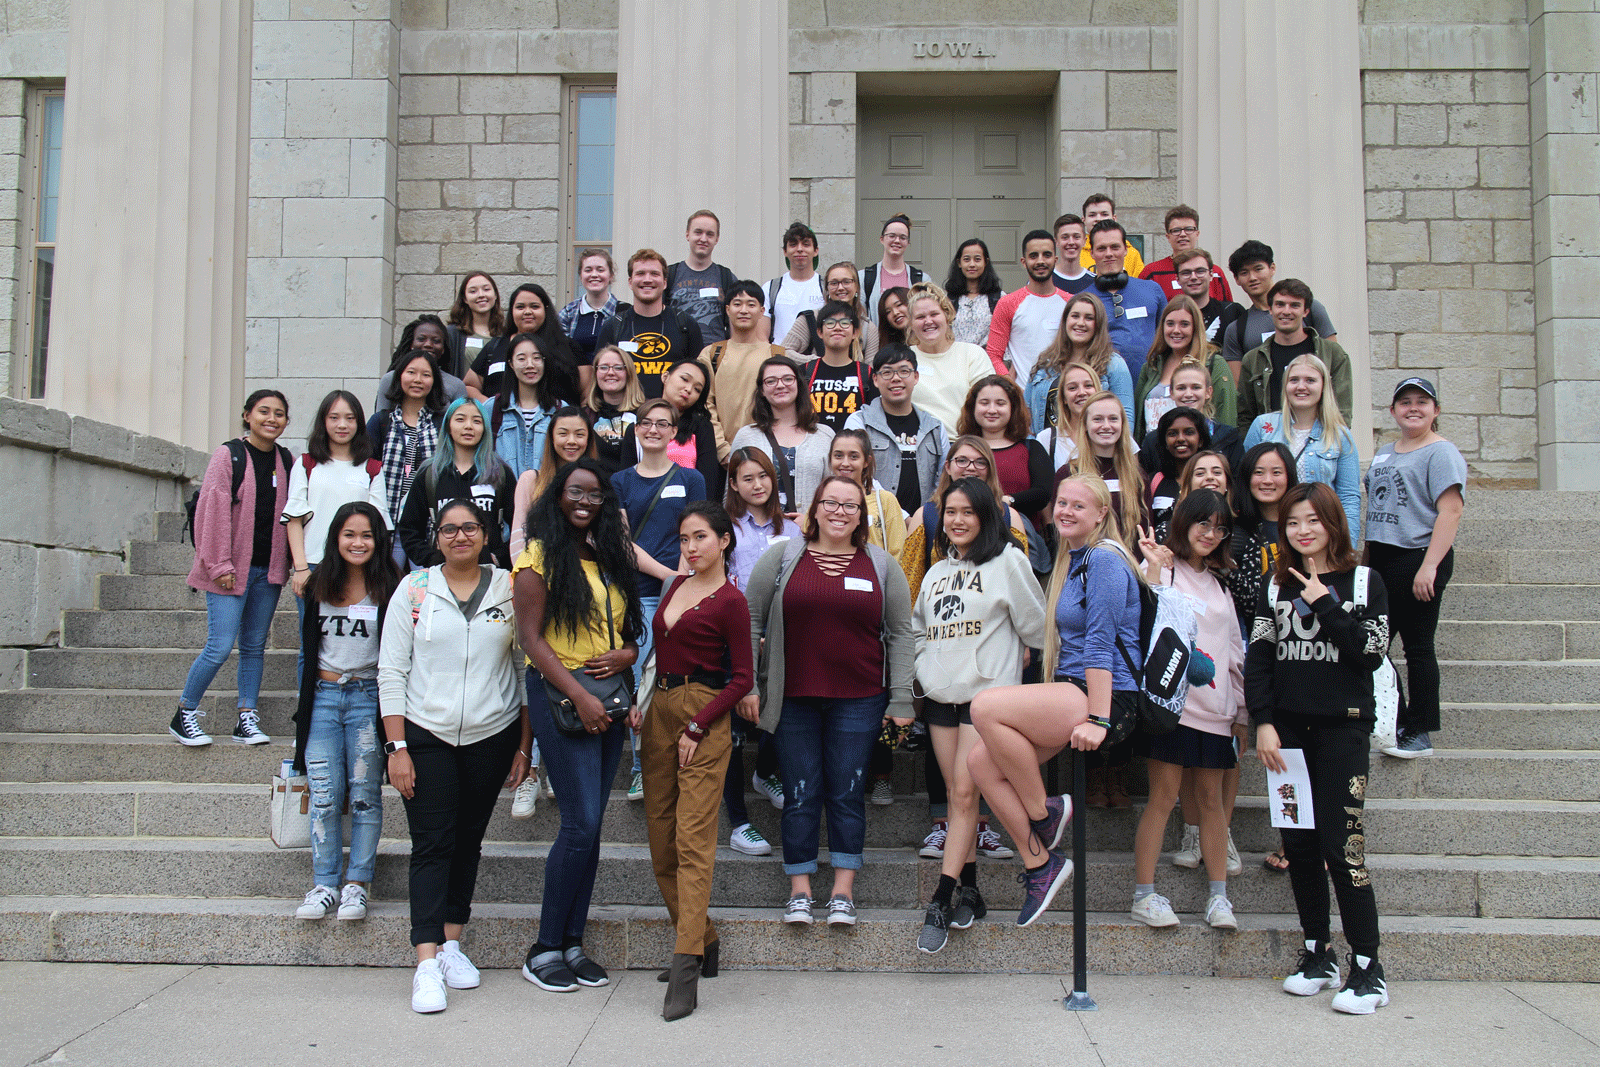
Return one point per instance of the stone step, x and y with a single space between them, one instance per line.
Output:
143 668
1519 726
1420 827
1528 504
1470 602
127 711
148 592
160 557
191 930
1491 886
1541 566
146 629
1465 774
1503 681
1483 532
1527 641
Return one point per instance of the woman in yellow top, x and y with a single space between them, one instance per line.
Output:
851 457
577 611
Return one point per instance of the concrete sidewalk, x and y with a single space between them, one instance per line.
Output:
127 1015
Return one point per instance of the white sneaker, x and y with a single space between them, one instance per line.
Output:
353 901
1188 854
1219 914
1235 864
1155 910
427 988
636 787
526 799
933 845
748 839
459 973
317 903
546 790
771 788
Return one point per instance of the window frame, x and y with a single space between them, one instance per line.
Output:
27 383
568 259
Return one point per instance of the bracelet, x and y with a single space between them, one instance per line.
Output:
1104 724
525 755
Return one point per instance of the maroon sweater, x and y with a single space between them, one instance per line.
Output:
833 631
697 643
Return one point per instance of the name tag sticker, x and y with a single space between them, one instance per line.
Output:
364 612
629 346
1138 313
858 585
1266 335
496 368
474 342
672 491
711 292
1386 457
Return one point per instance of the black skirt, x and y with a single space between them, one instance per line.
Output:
1188 747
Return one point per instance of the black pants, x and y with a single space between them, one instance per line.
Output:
733 786
448 813
1337 759
1416 622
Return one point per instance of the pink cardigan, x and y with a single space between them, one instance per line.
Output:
224 530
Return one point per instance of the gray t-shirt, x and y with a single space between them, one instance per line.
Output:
698 293
1258 328
349 639
1403 490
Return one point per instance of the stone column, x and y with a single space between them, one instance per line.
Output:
1564 58
703 122
147 325
1270 147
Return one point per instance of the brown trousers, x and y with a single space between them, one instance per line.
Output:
681 805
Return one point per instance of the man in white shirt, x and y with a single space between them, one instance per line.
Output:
1070 275
801 288
893 271
1025 322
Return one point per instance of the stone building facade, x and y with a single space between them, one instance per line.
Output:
362 154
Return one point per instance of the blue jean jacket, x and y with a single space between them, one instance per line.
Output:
1037 392
519 444
1334 463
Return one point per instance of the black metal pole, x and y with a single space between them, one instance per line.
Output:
1080 1000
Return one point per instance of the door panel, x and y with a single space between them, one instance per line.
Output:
999 150
905 151
1000 224
930 233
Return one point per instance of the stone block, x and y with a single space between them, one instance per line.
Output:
416 259
1573 225
1518 402
1142 100
270 10
1564 103
261 348
531 129
1493 204
268 103
1403 11
504 15
1503 276
301 50
1385 205
309 348
474 194
1567 287
539 260
1380 276
1564 41
1500 87
822 151
831 98
515 160
342 9
458 129
1438 350
434 161
1397 242
1506 438
1519 312
1081 99
1417 87
1488 124
510 94
1461 242
416 130
1513 241
797 99
833 204
422 195
338 109
368 282
373 166
517 226
299 166
264 227
1377 124
495 258
295 287
1567 165
435 94
1381 346
436 226
1111 154
1421 168
1403 310
336 226
11 668
1430 204
423 14
537 192
1433 276
34 425
1470 311
1420 124
375 50
1471 390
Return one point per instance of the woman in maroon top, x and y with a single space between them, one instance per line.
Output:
996 410
835 613
702 656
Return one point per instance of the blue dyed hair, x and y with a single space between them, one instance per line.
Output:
491 469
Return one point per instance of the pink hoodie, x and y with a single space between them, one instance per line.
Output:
224 530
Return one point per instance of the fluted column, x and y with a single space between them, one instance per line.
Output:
147 318
702 122
1270 147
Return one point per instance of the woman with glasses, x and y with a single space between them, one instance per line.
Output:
610 403
830 622
693 442
785 426
839 381
806 337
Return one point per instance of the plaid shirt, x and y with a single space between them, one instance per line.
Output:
404 450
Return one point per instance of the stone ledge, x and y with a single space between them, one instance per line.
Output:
43 429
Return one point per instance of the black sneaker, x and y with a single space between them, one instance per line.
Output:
1364 991
548 970
248 732
1317 970
585 970
185 728
935 929
969 907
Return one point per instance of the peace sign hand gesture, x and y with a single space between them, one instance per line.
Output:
1313 590
1156 555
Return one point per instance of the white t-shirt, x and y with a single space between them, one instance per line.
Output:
793 298
329 486
1033 329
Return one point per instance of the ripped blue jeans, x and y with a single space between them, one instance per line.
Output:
823 748
343 762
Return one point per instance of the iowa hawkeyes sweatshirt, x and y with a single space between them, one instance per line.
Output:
972 623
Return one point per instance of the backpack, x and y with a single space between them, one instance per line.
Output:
374 466
236 451
1167 629
1385 680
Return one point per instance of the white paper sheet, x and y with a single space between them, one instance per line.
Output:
1289 793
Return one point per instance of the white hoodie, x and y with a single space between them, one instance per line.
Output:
972 623
454 677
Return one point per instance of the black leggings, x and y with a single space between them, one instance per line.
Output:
1337 758
1415 621
733 786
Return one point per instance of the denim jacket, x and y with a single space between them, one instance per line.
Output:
1037 392
1334 463
520 444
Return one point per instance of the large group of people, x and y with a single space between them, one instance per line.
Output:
829 513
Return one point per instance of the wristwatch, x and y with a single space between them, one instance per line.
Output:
391 747
695 731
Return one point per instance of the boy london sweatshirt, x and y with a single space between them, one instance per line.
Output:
972 623
1316 659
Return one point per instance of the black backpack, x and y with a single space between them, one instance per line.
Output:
236 451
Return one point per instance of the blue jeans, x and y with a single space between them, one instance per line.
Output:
246 620
342 762
823 749
581 771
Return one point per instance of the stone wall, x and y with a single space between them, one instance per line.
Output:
74 492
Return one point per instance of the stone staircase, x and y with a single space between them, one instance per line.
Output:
120 845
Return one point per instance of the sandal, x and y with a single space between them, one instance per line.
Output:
1275 861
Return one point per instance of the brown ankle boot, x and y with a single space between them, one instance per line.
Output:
683 987
1095 787
1117 788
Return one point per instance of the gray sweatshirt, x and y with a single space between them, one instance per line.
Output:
972 623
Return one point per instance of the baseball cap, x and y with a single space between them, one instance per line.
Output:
1416 383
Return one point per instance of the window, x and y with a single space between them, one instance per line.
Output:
46 151
591 141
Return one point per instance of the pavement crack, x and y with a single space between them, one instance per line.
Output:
1079 1018
1586 1038
55 1052
611 990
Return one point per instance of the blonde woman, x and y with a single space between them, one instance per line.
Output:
1310 424
1181 338
1084 337
611 401
1078 383
947 368
1105 449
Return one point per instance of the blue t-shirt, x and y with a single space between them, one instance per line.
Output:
1096 607
659 535
1132 313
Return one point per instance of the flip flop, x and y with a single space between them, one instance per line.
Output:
1275 861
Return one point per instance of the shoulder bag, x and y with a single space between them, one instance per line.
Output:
614 693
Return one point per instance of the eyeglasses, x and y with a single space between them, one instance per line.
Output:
840 283
838 324
773 383
1116 302
580 496
1207 526
848 507
656 424
527 359
1197 272
1178 231
962 463
610 368
894 374
452 530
